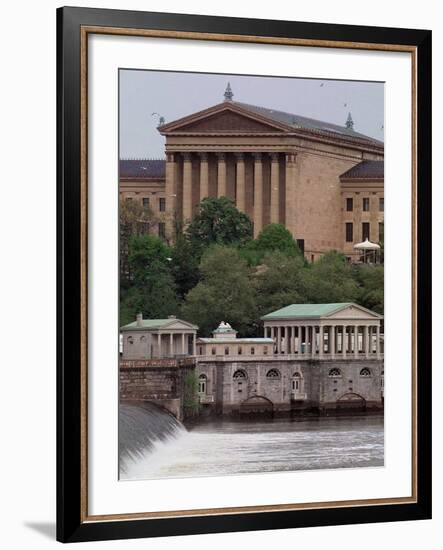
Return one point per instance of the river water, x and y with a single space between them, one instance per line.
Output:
222 447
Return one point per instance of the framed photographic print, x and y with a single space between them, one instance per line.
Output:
243 342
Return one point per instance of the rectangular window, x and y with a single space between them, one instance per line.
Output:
146 202
161 230
252 351
162 204
349 205
381 204
226 351
301 245
365 231
366 204
349 232
213 351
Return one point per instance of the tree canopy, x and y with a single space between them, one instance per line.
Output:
152 289
217 272
218 222
224 292
330 280
279 281
274 237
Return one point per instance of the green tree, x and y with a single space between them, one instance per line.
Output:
274 237
330 280
279 281
224 293
218 222
152 291
370 279
135 220
184 266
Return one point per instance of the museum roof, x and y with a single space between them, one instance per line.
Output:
142 168
305 311
368 169
155 324
298 121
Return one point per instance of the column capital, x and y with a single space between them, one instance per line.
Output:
170 157
239 156
274 157
291 157
203 156
221 156
257 157
187 157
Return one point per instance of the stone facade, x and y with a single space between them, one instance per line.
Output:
276 167
288 386
160 381
289 372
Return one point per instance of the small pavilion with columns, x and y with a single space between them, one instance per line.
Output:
158 338
325 331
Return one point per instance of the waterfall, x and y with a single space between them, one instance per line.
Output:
141 425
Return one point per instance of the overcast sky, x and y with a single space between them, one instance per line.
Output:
174 95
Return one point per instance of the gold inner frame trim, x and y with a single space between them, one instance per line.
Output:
84 32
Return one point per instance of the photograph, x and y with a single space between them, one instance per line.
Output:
251 274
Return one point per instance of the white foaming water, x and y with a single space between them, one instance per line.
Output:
238 447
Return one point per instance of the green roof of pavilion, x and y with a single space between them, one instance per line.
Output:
155 324
305 311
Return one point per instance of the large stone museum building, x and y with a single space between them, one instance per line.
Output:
312 358
323 181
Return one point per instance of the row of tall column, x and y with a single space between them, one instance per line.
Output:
185 195
330 340
174 350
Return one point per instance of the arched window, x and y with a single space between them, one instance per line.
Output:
239 375
142 338
213 351
130 340
365 373
240 350
296 381
226 351
202 380
265 350
273 373
252 351
333 373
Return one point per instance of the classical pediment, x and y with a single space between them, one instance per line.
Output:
225 118
228 122
178 324
354 311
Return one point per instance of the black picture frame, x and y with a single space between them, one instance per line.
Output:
72 525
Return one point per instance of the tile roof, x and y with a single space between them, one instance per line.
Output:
298 121
154 324
304 311
368 169
142 168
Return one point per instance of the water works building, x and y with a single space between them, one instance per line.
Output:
313 357
323 181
